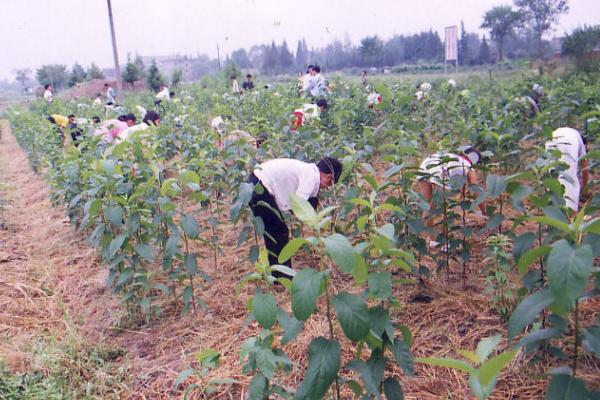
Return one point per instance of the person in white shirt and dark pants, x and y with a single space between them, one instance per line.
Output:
280 178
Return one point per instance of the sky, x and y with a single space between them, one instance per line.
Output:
36 32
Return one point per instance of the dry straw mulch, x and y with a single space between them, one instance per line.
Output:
52 283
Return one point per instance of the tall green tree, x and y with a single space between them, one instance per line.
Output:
54 74
153 77
286 59
176 77
302 54
22 76
132 73
141 66
542 15
270 60
580 45
464 51
76 75
240 57
501 21
94 72
371 51
484 52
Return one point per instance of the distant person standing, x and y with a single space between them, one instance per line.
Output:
48 93
110 95
235 86
363 78
248 84
319 83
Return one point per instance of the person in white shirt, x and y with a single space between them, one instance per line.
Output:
163 94
307 113
48 93
235 86
280 178
307 80
110 95
569 143
436 170
97 101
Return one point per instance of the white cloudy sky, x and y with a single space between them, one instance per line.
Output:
36 32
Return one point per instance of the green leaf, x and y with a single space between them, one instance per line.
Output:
565 387
485 347
380 285
290 249
190 226
264 309
265 361
353 315
392 389
552 222
114 215
303 210
183 375
496 185
172 245
366 374
116 244
305 291
568 272
291 326
208 357
191 264
530 256
257 390
447 363
339 248
592 227
361 271
323 366
527 311
169 188
591 340
537 336
145 251
490 369
403 357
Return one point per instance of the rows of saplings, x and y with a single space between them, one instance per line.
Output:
149 205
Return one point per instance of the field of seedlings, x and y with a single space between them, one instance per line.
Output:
137 270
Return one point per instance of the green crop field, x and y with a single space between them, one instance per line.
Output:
505 306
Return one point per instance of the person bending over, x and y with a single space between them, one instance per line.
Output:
571 146
280 178
436 170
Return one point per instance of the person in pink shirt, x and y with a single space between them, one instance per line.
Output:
112 128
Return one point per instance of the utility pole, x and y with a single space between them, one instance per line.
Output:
218 56
115 54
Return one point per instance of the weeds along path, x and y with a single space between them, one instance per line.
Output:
38 251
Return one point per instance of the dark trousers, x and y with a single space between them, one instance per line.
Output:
276 231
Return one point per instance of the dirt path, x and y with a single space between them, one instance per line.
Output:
38 248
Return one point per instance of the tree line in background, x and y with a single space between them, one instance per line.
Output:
515 32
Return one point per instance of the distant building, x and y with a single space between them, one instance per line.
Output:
556 46
168 64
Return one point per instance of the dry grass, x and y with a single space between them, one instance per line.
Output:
48 272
